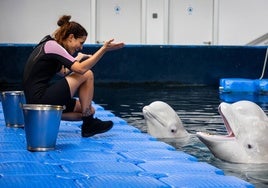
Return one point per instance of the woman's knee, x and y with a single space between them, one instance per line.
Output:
76 80
89 75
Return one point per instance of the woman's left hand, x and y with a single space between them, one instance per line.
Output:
109 45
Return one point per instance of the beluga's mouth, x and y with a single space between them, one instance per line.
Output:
208 137
226 123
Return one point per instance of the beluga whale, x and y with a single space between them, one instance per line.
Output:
247 134
162 121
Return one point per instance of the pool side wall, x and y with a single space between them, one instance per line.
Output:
190 65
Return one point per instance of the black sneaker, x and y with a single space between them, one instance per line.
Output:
92 126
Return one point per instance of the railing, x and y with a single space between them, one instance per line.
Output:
262 40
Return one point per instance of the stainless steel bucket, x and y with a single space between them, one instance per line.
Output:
11 103
41 126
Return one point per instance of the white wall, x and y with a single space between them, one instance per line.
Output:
235 22
27 21
190 22
241 21
155 18
119 19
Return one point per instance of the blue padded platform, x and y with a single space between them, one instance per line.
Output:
229 85
121 157
236 89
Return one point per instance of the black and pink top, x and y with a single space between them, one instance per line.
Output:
45 61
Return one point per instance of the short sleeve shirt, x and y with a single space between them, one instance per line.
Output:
45 61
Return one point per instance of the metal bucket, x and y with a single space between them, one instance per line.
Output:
41 126
11 102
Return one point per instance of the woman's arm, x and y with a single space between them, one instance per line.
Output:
90 62
64 71
81 57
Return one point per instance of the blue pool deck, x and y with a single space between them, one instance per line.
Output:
122 157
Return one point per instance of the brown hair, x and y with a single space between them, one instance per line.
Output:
67 27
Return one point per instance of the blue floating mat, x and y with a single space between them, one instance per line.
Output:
69 135
109 136
132 145
85 156
237 96
9 130
10 137
103 113
28 168
170 167
262 85
154 154
68 128
128 181
208 181
23 156
237 85
228 85
104 167
125 129
12 146
82 145
40 181
121 157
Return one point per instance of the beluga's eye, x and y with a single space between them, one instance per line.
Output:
249 146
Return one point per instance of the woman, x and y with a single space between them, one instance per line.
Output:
54 55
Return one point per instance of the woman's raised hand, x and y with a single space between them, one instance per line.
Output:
109 45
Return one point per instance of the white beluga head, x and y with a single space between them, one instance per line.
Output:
247 140
162 121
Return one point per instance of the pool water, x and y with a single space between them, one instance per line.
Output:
197 108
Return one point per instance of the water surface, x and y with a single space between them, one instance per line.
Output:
197 108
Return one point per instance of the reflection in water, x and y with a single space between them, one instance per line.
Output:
197 108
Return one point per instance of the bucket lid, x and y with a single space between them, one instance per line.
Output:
42 107
12 93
